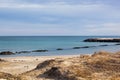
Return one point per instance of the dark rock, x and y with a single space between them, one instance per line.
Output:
40 51
102 40
76 47
6 53
85 47
117 44
104 45
59 49
1 60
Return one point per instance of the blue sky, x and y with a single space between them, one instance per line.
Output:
59 17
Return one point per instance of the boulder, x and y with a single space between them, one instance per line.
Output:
59 49
6 53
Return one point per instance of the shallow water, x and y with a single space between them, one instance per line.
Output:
51 43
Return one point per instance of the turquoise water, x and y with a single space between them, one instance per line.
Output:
51 43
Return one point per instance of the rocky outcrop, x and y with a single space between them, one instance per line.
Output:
40 51
102 40
6 53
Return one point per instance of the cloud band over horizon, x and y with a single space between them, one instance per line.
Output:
59 17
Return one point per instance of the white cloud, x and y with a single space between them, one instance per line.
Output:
12 28
58 17
104 29
64 9
59 9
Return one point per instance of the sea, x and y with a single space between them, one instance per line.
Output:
52 43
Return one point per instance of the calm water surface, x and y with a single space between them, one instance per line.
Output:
51 43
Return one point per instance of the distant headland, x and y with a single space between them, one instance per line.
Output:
102 40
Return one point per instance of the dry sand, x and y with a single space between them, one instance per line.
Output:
98 66
18 65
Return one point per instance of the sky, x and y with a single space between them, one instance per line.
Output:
59 17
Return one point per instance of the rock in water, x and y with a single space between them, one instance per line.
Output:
59 49
6 53
40 51
102 40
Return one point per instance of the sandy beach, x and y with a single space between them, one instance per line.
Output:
100 65
18 65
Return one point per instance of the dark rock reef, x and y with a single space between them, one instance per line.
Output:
40 51
23 52
102 40
6 53
83 47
